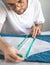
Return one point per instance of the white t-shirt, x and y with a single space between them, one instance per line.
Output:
23 23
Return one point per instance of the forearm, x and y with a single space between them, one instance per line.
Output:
3 44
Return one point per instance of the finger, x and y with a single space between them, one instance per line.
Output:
39 32
10 59
36 30
17 52
14 56
18 61
33 33
19 58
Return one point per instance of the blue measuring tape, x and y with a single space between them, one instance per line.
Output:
29 49
22 42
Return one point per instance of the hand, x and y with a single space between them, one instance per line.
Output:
10 55
36 30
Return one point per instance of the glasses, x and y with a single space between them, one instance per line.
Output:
14 4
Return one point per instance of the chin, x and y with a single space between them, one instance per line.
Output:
20 12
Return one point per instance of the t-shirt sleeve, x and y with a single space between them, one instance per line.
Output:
2 14
39 14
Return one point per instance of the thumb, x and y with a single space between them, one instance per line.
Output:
17 52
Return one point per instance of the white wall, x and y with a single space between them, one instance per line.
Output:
46 11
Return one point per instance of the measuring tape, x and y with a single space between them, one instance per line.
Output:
22 43
29 49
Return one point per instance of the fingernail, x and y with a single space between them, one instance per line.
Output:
33 36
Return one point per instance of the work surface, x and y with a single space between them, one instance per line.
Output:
35 50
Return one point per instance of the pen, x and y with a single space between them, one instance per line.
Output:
20 55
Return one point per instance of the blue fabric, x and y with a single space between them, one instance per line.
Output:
44 38
39 57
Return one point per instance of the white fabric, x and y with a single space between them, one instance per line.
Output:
23 22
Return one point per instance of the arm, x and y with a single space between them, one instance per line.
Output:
3 45
10 53
36 30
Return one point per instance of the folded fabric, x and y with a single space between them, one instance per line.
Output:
40 52
44 38
39 57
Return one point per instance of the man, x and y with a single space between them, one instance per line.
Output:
21 16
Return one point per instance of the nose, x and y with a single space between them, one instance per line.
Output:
18 4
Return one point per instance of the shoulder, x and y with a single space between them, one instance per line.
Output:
35 2
2 12
2 8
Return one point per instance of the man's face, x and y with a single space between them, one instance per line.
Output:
18 5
